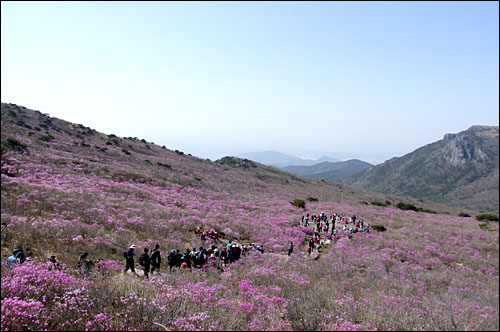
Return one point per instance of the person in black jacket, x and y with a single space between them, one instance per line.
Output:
155 259
172 259
129 259
145 262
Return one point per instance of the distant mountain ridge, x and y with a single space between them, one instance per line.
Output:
278 159
461 169
330 171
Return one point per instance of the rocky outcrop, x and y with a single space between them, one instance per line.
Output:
461 169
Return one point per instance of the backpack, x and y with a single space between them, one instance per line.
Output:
155 256
142 260
125 254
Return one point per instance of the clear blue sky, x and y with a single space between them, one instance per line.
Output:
350 80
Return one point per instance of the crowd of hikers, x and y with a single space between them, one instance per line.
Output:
212 256
325 228
216 254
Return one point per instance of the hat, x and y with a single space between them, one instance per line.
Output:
132 246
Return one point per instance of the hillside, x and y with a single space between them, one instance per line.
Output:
460 170
330 171
278 159
68 189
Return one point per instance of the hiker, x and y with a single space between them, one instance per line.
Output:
199 258
177 258
185 258
54 264
145 262
171 259
290 249
84 264
212 260
17 258
155 259
237 253
230 254
129 259
223 257
21 256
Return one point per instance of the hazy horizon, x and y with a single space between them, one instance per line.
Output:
360 80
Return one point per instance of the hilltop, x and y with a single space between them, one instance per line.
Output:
330 171
68 189
460 170
278 159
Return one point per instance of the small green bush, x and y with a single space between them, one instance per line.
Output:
126 152
312 199
487 216
426 210
405 206
378 203
179 152
465 215
147 161
300 203
379 228
12 144
46 138
23 124
388 203
484 226
363 202
164 165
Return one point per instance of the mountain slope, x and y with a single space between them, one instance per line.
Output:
67 189
278 159
330 171
461 170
